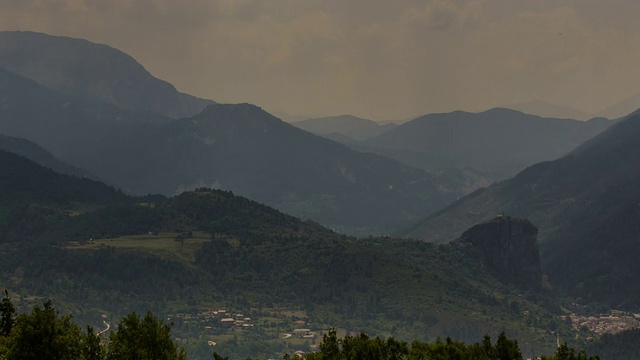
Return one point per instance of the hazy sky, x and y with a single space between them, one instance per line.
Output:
381 59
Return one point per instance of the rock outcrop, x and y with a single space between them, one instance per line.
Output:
509 250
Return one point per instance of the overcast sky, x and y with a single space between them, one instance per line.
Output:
380 59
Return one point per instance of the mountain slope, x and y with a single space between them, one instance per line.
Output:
83 133
24 181
586 207
232 147
88 70
497 142
346 125
207 249
40 156
244 149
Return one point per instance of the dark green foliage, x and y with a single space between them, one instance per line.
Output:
358 347
7 317
92 349
145 338
621 346
503 349
43 335
257 258
566 353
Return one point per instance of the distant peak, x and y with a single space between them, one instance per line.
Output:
502 110
236 109
243 113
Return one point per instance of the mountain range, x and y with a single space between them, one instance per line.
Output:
72 110
498 143
344 128
585 205
234 147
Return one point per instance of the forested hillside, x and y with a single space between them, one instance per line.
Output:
184 256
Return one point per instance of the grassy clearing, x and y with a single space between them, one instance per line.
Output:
163 244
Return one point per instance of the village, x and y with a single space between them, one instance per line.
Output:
223 324
613 323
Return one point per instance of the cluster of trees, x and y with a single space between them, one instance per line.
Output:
43 334
356 347
624 345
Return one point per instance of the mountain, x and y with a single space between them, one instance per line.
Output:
208 249
345 125
549 110
27 183
83 133
40 156
621 108
499 142
84 69
233 147
586 206
247 150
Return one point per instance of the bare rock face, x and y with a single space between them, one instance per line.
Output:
509 250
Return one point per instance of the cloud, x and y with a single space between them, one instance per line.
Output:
376 58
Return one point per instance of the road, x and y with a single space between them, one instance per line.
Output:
106 329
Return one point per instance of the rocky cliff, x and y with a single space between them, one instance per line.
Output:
508 248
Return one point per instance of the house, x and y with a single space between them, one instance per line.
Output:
227 320
302 332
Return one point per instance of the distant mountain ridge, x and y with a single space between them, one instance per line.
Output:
40 156
498 142
84 69
243 148
346 125
233 147
586 206
549 110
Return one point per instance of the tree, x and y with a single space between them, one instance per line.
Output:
7 318
43 335
92 349
506 349
143 339
566 353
